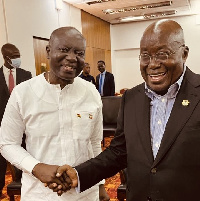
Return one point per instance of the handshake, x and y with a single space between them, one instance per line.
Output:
58 178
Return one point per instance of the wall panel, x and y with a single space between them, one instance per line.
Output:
97 34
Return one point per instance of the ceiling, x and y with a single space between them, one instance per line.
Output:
139 9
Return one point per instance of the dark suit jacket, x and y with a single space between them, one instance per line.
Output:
21 75
109 84
174 175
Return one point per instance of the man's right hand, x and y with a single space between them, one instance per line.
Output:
47 174
68 174
71 173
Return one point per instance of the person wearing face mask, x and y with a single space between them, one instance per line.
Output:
10 75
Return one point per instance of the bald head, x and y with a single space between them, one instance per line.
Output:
8 49
165 29
65 32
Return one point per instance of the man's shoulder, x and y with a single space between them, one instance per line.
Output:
138 88
23 70
34 83
109 73
91 76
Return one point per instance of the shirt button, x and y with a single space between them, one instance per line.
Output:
153 171
159 122
149 199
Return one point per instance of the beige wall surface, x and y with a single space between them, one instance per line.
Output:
125 41
25 19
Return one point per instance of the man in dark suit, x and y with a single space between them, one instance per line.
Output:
105 83
158 132
11 56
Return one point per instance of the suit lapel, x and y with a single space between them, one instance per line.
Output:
18 76
3 84
143 122
180 114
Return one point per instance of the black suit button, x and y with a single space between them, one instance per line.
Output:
153 170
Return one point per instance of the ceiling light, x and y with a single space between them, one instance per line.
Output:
159 14
147 16
139 7
78 1
131 18
99 1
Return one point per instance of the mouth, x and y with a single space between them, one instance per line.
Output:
157 77
67 68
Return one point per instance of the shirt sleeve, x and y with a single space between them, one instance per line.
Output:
11 133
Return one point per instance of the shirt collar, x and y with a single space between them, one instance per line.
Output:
5 69
172 91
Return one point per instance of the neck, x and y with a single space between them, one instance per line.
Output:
52 79
85 74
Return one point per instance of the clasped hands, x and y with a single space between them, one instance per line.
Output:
58 178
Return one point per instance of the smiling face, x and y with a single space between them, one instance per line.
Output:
166 37
101 66
66 52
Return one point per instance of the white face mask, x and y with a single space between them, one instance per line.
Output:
15 63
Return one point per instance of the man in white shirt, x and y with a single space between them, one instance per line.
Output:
10 76
61 115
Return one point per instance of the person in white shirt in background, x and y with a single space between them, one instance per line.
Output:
61 115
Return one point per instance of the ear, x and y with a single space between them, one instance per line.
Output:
48 51
185 53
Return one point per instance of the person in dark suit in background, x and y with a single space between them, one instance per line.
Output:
158 130
10 75
86 74
105 83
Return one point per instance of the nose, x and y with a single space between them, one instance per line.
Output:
71 56
153 63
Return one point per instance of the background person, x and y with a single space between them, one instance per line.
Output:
158 132
61 115
105 82
10 76
86 74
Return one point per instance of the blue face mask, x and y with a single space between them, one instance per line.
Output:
15 63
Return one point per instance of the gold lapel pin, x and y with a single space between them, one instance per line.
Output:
90 116
185 102
78 115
